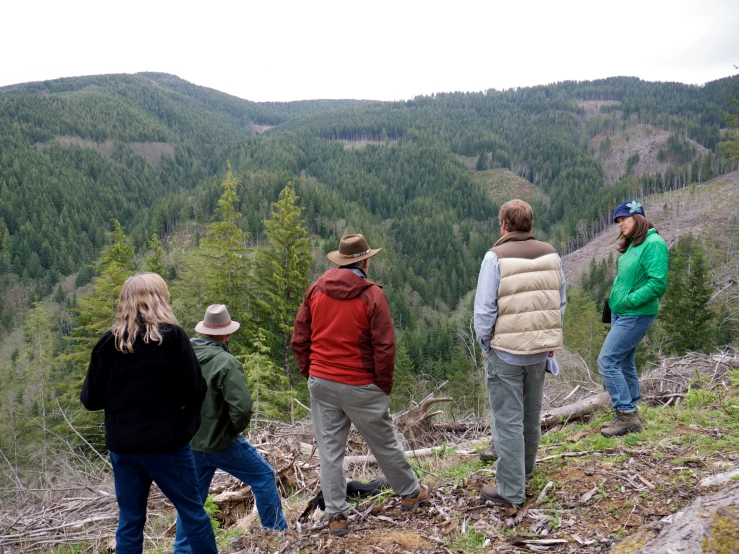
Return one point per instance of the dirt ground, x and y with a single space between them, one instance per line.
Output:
596 500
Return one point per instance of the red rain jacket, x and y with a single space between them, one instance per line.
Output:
344 332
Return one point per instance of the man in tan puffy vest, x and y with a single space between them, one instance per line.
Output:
519 306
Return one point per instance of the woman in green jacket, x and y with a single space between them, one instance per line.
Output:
640 282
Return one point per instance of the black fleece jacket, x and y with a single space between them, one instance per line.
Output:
151 397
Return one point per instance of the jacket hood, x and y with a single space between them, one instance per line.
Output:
206 350
342 284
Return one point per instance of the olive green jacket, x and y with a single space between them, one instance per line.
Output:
641 279
227 406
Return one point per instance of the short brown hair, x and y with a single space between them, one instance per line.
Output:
641 227
517 216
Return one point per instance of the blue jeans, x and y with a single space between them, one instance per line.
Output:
242 461
516 393
616 362
174 473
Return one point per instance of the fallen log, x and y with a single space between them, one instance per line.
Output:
574 411
417 453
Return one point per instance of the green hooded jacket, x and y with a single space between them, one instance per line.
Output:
641 279
227 406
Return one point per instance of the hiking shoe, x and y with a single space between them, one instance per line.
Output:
611 421
488 455
410 503
491 494
614 419
625 423
338 525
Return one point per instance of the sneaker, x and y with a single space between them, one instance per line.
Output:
491 494
409 504
625 423
338 525
488 455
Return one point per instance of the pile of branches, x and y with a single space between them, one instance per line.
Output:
82 515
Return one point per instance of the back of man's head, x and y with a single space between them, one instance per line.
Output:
517 216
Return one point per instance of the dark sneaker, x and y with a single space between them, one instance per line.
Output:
411 503
338 525
488 455
625 423
491 494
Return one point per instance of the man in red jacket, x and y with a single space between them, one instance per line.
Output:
345 346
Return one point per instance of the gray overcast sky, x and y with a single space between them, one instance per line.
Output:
384 49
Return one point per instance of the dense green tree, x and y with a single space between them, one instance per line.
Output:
219 271
583 331
268 384
96 310
155 262
282 277
685 313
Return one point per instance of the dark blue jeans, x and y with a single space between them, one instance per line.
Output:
174 474
617 359
242 461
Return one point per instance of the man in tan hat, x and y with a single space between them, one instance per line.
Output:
345 346
219 442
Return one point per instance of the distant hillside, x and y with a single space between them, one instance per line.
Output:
502 185
649 144
708 211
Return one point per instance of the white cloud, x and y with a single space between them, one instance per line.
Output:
291 50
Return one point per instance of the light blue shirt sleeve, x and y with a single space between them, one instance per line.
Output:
562 292
486 300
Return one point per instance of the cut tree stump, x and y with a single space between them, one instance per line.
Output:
710 524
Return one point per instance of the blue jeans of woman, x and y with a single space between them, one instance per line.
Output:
174 474
617 359
242 461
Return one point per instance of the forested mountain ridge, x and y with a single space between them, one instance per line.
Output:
76 152
147 149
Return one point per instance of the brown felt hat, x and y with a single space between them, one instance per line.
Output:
217 321
352 248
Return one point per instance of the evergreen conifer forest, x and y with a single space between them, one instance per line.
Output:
238 202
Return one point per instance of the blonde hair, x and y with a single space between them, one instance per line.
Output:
144 303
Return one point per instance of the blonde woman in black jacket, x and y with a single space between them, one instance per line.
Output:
144 374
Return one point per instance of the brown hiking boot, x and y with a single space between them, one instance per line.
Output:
614 419
338 525
491 494
409 504
488 455
625 423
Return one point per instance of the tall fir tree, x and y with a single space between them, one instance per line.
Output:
39 360
155 262
219 272
685 315
96 310
282 275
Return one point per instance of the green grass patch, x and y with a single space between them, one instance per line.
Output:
461 471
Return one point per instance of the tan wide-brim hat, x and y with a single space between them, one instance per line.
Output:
217 321
352 248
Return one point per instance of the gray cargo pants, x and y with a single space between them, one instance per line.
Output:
335 406
516 393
